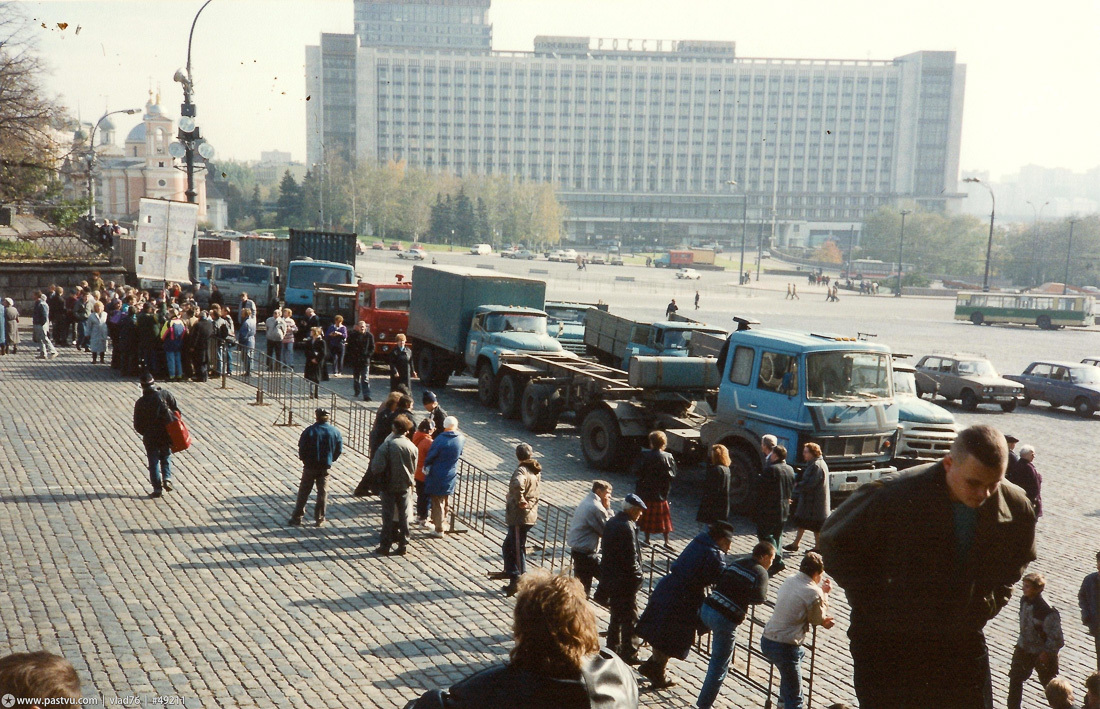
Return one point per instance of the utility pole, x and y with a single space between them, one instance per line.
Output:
1069 252
901 245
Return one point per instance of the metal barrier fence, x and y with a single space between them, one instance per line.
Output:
478 503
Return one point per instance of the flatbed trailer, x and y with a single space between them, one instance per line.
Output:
615 410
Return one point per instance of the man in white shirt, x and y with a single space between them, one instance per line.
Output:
802 601
586 531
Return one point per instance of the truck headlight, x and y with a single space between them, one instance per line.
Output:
987 390
382 335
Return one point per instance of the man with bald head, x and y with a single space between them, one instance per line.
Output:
927 557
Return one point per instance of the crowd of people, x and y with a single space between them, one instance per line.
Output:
927 557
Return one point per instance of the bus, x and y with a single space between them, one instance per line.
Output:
1049 312
873 268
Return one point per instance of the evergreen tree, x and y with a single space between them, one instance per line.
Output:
289 207
255 206
482 231
463 219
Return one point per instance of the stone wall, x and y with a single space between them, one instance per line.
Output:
20 279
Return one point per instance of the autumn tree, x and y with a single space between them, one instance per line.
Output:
29 119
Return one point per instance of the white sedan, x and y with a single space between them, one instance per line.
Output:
415 254
688 273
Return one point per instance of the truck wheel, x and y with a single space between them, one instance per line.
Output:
509 396
432 367
537 410
743 471
1009 406
1083 407
969 400
486 385
977 318
602 441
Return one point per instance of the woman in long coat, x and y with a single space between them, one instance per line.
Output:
655 470
714 503
315 359
812 493
11 325
95 329
401 366
671 618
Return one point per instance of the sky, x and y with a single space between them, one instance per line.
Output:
1032 86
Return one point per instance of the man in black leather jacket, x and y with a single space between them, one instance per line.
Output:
547 670
927 557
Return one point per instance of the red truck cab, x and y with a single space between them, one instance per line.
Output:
385 307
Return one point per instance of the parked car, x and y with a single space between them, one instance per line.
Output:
378 246
569 255
614 260
597 259
1060 383
688 274
481 250
969 379
1094 361
523 255
396 246
927 430
415 254
557 255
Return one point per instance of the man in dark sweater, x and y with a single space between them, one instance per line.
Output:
927 557
743 583
621 577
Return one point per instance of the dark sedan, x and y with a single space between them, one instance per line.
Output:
1061 384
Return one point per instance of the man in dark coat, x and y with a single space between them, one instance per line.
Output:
621 577
927 557
671 618
358 353
201 335
148 333
435 411
129 362
319 446
401 366
773 502
152 413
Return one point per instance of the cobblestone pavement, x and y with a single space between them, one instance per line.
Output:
206 595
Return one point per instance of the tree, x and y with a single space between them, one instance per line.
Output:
28 118
935 243
828 252
256 207
289 207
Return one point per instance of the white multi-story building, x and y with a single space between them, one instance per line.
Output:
643 137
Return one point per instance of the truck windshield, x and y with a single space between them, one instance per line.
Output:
305 275
833 376
569 315
236 273
679 339
512 322
977 368
904 383
392 298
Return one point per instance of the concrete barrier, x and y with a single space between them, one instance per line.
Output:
540 271
488 266
626 279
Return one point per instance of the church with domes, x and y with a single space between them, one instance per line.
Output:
141 167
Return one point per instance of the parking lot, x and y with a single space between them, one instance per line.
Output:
1068 532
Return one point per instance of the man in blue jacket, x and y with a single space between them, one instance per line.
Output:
441 470
319 447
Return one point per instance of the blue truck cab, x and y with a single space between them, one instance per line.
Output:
303 274
565 323
497 329
664 339
803 387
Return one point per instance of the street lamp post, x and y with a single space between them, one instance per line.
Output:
1038 214
1069 252
190 140
992 214
901 245
744 227
92 155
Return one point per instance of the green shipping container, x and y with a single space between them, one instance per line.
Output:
444 300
